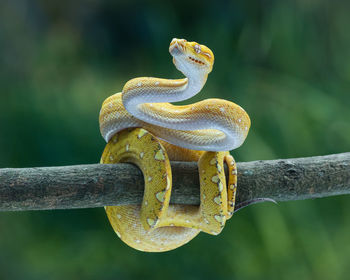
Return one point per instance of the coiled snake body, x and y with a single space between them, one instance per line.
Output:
142 128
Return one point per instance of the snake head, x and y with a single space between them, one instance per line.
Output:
191 57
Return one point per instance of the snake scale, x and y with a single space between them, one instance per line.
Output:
143 128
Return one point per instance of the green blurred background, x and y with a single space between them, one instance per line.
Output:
286 62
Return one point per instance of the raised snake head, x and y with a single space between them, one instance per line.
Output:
191 57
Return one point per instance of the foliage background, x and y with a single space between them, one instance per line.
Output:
285 62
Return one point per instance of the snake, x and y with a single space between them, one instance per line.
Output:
142 127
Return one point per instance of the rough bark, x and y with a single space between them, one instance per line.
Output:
96 185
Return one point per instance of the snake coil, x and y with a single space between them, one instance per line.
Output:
141 127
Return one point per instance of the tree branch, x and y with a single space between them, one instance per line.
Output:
96 185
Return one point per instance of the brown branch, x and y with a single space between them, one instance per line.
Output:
95 185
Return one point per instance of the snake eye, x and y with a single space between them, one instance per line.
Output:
197 48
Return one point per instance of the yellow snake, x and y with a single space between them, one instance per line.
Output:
142 128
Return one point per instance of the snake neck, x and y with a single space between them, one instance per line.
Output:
194 86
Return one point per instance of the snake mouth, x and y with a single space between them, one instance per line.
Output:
196 60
